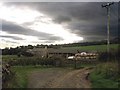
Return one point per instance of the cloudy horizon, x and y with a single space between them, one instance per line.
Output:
35 23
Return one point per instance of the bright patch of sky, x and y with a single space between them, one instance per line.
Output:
39 22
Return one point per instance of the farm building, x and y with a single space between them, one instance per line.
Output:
43 52
49 52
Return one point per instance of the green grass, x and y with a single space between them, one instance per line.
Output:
9 57
21 75
105 75
100 48
98 81
98 76
22 72
12 58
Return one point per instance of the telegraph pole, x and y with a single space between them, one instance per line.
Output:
107 6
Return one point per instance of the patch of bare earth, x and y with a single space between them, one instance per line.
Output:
59 78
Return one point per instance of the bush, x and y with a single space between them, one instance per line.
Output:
103 56
23 61
27 54
7 75
58 61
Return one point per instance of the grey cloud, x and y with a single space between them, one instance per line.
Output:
28 23
94 38
9 41
13 37
97 32
79 10
82 18
13 28
48 41
91 18
55 38
61 19
51 38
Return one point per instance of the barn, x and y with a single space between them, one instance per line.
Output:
63 52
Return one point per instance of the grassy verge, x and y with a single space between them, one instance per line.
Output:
105 75
21 76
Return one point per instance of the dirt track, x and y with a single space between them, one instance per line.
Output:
59 78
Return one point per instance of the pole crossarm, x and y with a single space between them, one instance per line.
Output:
108 4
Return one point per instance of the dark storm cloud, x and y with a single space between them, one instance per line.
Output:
13 28
82 18
93 29
61 19
13 37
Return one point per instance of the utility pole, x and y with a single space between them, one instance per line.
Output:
107 6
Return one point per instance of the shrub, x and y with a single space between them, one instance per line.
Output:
103 56
58 61
54 61
27 54
7 75
105 75
109 70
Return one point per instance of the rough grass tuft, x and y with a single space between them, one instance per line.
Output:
105 75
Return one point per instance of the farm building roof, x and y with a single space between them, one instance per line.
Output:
56 50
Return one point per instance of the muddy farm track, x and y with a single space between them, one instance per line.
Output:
59 78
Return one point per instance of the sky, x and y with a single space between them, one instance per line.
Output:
24 23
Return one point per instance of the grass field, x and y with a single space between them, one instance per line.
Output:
100 48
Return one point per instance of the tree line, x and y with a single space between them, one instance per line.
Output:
23 49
